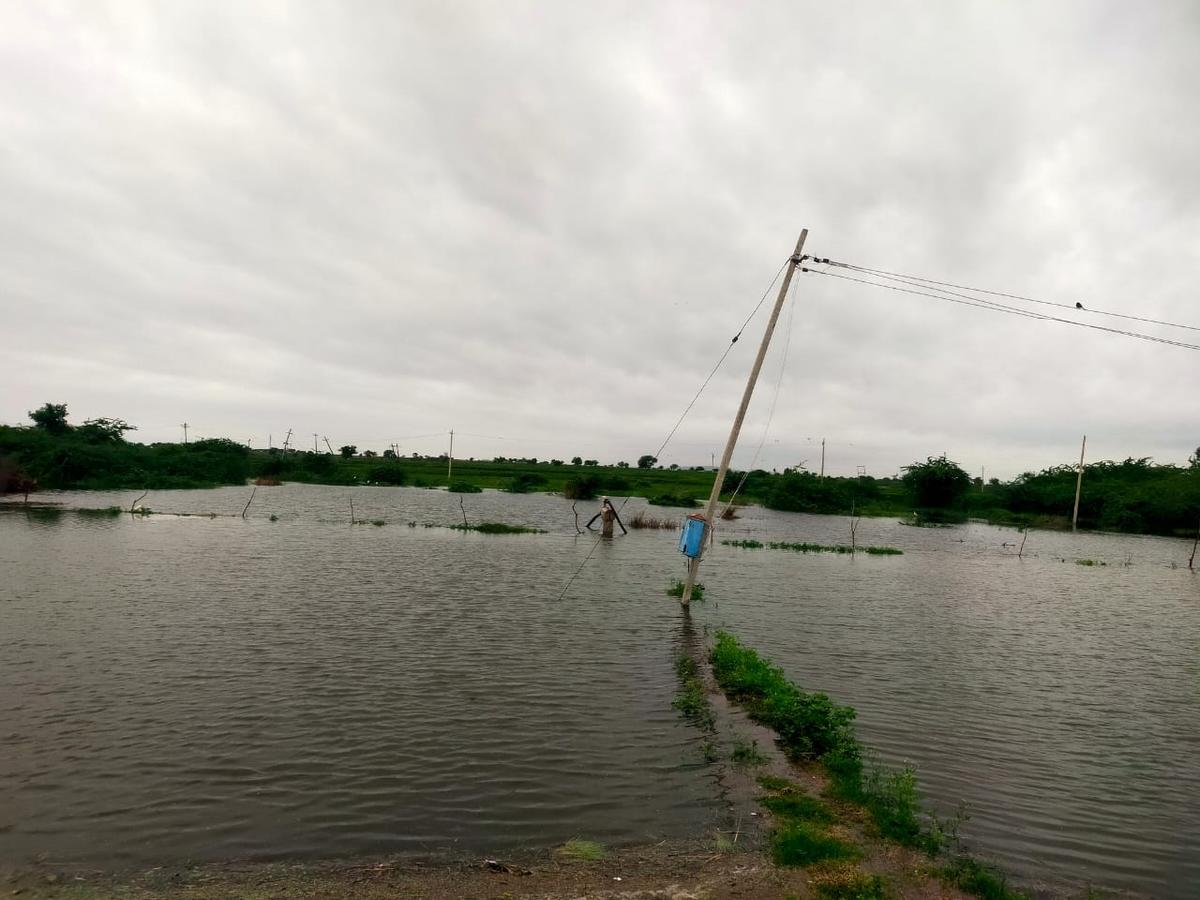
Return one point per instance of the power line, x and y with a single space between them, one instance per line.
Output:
908 279
991 305
787 345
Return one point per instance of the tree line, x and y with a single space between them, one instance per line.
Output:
1134 495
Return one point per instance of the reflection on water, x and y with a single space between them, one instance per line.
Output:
199 688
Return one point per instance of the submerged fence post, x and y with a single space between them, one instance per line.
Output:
1192 558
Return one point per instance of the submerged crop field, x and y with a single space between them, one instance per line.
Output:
360 676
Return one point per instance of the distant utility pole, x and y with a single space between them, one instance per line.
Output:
330 446
822 457
1078 484
270 442
287 440
450 463
185 428
314 442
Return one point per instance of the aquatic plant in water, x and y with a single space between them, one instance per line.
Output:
498 528
677 586
692 699
813 548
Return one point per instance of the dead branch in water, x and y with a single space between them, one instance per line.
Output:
133 505
251 500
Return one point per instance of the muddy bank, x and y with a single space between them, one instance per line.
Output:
682 871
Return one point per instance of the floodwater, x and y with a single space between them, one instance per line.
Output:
194 688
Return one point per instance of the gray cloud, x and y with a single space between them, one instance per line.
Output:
543 222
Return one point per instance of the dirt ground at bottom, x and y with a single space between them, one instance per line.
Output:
671 871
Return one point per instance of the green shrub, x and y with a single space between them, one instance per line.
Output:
581 487
671 500
386 473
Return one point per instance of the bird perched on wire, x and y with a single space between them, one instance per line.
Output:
1078 305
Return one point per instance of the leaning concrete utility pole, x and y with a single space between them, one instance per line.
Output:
450 460
1078 484
719 481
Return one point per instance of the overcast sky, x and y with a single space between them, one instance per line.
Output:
539 224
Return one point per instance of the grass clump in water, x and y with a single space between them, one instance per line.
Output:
814 548
677 586
811 727
464 487
1090 562
641 520
498 528
746 753
108 512
576 848
378 523
692 699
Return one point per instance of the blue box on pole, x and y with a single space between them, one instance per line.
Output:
691 538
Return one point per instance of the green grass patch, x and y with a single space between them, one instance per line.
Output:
498 528
847 882
575 848
777 784
745 545
811 727
458 486
677 586
979 880
798 807
806 843
1090 562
